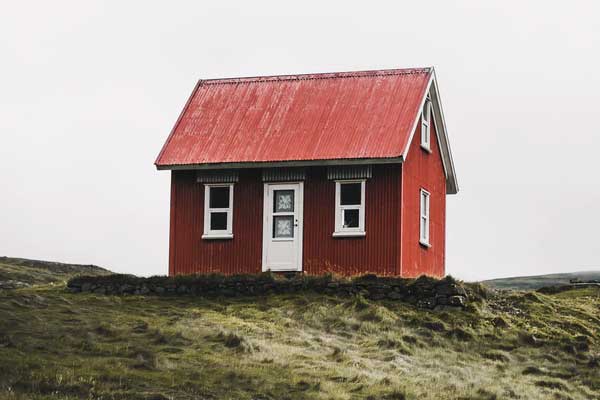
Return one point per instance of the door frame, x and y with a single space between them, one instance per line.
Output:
300 213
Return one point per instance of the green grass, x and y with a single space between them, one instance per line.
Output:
538 281
58 345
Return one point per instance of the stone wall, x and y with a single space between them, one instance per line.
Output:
424 292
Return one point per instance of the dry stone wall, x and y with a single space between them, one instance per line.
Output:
424 292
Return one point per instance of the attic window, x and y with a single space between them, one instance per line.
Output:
218 211
425 125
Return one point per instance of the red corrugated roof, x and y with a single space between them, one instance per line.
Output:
353 115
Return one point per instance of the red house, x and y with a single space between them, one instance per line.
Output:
336 172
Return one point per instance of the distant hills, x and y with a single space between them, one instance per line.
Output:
22 272
538 281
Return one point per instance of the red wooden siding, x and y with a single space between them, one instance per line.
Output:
189 253
375 253
423 170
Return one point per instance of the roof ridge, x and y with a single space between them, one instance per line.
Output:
317 76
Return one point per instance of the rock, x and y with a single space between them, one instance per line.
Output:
457 301
441 300
182 289
451 289
426 302
394 296
368 277
86 287
126 288
170 288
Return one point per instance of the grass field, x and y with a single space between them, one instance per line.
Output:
58 345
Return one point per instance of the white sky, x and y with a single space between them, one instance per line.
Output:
90 90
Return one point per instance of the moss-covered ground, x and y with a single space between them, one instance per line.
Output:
519 345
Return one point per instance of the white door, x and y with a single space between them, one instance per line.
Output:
282 227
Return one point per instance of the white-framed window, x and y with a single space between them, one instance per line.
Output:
218 211
350 208
425 125
424 218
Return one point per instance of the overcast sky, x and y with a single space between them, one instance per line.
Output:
90 90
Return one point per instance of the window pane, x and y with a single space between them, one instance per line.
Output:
283 226
351 218
283 201
219 197
218 221
350 193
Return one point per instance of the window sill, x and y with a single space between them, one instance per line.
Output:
424 244
212 236
349 234
427 149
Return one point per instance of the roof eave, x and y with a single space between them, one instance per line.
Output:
289 163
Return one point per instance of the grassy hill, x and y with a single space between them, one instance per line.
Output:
20 272
538 281
512 345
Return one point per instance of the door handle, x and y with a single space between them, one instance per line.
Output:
295 222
